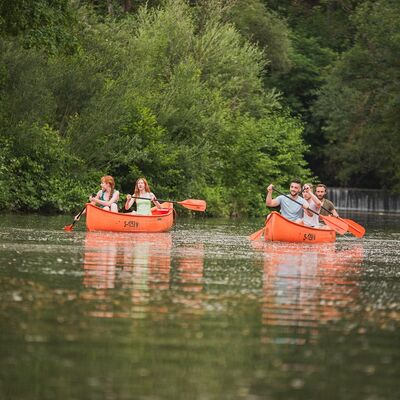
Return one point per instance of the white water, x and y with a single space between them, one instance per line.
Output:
352 199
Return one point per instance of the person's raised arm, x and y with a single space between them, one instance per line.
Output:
155 201
314 198
129 202
305 203
270 202
114 199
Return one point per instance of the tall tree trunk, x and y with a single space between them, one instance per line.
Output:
110 8
127 5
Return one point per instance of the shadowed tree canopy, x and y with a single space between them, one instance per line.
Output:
174 93
360 103
211 98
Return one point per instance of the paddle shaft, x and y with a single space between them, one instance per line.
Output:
354 228
191 204
71 226
337 224
155 199
330 212
309 209
80 213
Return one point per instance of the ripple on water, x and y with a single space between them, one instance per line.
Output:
194 308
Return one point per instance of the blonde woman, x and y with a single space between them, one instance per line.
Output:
311 218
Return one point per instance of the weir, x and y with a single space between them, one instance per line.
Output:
352 199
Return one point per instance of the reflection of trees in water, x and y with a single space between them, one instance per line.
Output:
139 265
304 287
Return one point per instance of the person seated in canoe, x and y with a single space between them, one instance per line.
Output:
327 206
143 198
107 197
311 218
292 206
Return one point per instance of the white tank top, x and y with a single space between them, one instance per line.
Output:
314 220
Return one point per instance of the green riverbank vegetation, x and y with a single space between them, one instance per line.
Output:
207 99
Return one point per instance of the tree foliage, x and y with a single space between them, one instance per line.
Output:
265 28
45 24
201 82
360 103
211 98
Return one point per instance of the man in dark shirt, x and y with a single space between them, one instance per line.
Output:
320 192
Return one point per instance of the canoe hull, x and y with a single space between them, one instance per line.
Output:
98 219
280 229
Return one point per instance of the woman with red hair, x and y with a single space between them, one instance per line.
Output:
143 198
107 197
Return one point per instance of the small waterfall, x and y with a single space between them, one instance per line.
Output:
352 199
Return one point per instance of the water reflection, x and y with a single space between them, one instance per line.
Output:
188 282
190 268
158 316
138 267
109 257
304 288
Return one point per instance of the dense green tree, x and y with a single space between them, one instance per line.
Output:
37 170
36 100
265 28
299 87
360 103
47 24
202 82
174 93
327 21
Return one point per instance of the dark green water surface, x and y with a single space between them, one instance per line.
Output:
197 313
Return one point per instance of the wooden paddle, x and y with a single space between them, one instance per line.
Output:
191 204
71 226
337 224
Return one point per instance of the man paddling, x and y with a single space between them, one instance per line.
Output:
327 206
289 209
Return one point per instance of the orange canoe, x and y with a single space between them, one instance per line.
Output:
98 219
280 229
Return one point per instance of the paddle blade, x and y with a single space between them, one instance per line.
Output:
192 204
336 224
354 228
256 235
70 227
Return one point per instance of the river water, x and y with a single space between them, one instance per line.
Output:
197 313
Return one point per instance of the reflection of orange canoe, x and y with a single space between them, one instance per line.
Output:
98 219
142 259
280 229
307 286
